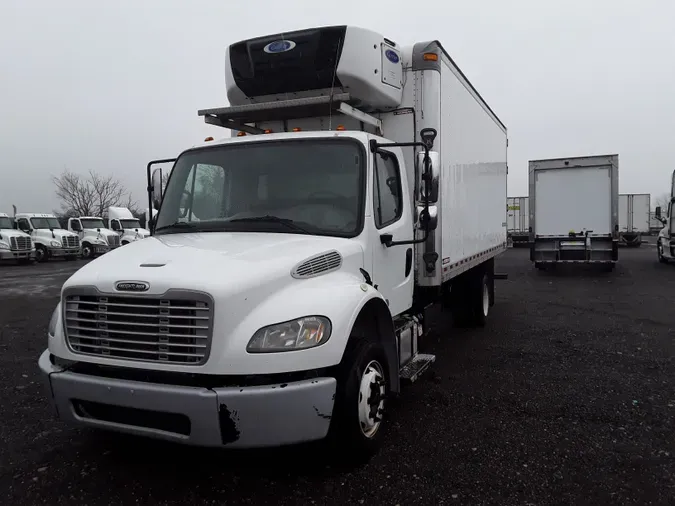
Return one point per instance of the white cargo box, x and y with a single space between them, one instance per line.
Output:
634 210
574 209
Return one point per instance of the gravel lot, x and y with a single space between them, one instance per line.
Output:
566 397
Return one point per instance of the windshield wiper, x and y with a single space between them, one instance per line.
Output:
290 224
179 225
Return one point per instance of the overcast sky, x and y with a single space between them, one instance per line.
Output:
110 85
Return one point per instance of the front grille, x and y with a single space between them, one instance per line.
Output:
71 241
172 328
20 243
113 241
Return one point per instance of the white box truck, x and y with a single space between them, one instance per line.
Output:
665 242
518 220
574 208
14 244
281 296
634 216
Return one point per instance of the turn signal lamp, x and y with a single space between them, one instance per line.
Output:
430 57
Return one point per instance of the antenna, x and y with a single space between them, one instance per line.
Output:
14 207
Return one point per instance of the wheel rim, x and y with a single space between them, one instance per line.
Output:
40 254
371 399
86 251
486 299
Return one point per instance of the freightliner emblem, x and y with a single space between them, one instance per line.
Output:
132 286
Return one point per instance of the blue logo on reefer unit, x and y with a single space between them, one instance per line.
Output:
279 46
392 56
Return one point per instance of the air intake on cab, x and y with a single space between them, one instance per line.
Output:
319 264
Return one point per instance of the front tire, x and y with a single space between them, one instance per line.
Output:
659 252
87 251
357 424
41 253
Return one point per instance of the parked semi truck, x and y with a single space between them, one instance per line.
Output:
51 241
95 238
518 220
14 244
634 215
665 242
282 295
574 206
126 225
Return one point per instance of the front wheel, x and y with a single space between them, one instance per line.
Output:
40 253
659 252
87 251
362 387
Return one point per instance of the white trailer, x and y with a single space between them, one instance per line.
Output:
14 244
574 210
665 243
518 220
51 241
634 217
282 295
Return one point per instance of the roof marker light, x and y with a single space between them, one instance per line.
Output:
340 128
297 129
208 139
430 57
241 134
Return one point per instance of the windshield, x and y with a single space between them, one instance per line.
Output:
45 223
92 223
130 224
312 186
5 222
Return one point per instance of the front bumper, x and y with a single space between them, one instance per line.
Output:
63 252
233 417
16 255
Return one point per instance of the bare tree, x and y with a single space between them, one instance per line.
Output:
662 202
90 195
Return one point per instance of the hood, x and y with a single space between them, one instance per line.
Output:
10 232
214 262
59 233
104 232
131 232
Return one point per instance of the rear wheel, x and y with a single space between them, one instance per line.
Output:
362 387
471 298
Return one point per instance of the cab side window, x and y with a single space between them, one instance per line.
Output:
387 198
22 224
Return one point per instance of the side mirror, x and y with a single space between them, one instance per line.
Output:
428 221
429 185
75 225
428 135
115 225
157 188
657 212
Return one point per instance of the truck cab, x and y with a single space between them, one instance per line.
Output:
126 225
95 238
51 241
14 244
665 242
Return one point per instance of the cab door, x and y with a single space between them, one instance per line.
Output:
391 220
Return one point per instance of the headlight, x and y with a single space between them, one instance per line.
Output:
298 334
55 244
55 319
4 246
